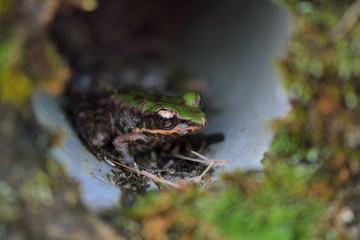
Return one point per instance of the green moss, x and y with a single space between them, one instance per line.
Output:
19 73
321 71
271 205
5 6
8 209
279 209
26 61
287 143
31 195
37 190
15 85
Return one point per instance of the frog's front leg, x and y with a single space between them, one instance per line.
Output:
121 144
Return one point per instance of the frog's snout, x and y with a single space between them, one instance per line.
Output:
199 126
203 122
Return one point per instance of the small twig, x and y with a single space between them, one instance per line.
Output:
168 164
347 21
197 179
109 161
156 170
199 155
160 180
207 162
123 165
150 176
155 178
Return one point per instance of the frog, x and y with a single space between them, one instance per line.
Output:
133 120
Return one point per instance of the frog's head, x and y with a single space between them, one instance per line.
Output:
177 115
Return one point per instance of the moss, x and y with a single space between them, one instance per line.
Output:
5 6
278 209
8 209
18 75
289 142
26 197
15 85
321 71
26 59
252 205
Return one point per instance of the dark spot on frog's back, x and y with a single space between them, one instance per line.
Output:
138 97
147 112
158 98
183 101
194 110
124 91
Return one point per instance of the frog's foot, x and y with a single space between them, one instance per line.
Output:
132 164
121 145
113 160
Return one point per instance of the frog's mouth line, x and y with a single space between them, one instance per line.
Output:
192 130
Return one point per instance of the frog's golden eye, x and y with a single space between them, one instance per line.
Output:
165 119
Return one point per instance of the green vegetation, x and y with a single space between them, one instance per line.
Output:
15 85
321 71
32 195
253 205
25 59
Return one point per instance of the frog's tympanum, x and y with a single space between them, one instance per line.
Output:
134 120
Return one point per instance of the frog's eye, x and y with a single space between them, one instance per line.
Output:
165 119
